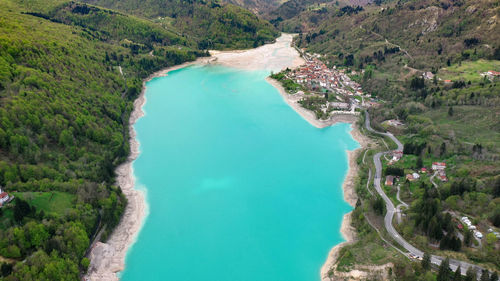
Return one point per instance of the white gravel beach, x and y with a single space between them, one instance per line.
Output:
107 259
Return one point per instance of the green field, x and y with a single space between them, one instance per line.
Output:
50 202
470 124
468 70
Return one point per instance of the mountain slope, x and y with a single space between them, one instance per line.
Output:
212 25
427 34
293 8
257 6
431 67
69 73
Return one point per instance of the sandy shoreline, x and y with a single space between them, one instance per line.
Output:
272 57
107 259
350 196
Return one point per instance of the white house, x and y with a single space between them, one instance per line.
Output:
428 75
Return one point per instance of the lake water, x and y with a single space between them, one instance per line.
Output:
239 186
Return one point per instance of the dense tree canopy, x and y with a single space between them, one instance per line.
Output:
69 73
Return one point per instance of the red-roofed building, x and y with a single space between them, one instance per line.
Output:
438 166
410 177
389 180
443 178
4 197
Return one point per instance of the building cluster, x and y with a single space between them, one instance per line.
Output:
472 227
314 74
395 123
496 233
412 176
491 75
396 156
440 168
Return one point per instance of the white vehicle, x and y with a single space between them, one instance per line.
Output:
472 227
478 234
465 218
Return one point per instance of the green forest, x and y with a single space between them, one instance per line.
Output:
69 73
212 24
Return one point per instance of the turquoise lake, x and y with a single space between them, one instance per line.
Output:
239 186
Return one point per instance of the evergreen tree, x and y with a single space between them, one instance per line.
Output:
494 276
420 162
358 203
444 273
443 149
21 209
450 111
6 269
458 274
426 261
470 275
468 238
485 275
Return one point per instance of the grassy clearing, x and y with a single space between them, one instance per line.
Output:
469 124
49 202
468 70
367 251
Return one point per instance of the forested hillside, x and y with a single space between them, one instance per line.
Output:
211 24
286 16
396 43
69 73
259 7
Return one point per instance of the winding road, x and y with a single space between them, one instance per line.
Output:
391 210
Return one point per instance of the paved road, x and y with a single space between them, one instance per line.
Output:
403 204
391 210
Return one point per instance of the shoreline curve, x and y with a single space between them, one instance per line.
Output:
348 186
107 259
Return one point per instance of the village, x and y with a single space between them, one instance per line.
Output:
437 170
332 91
327 91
